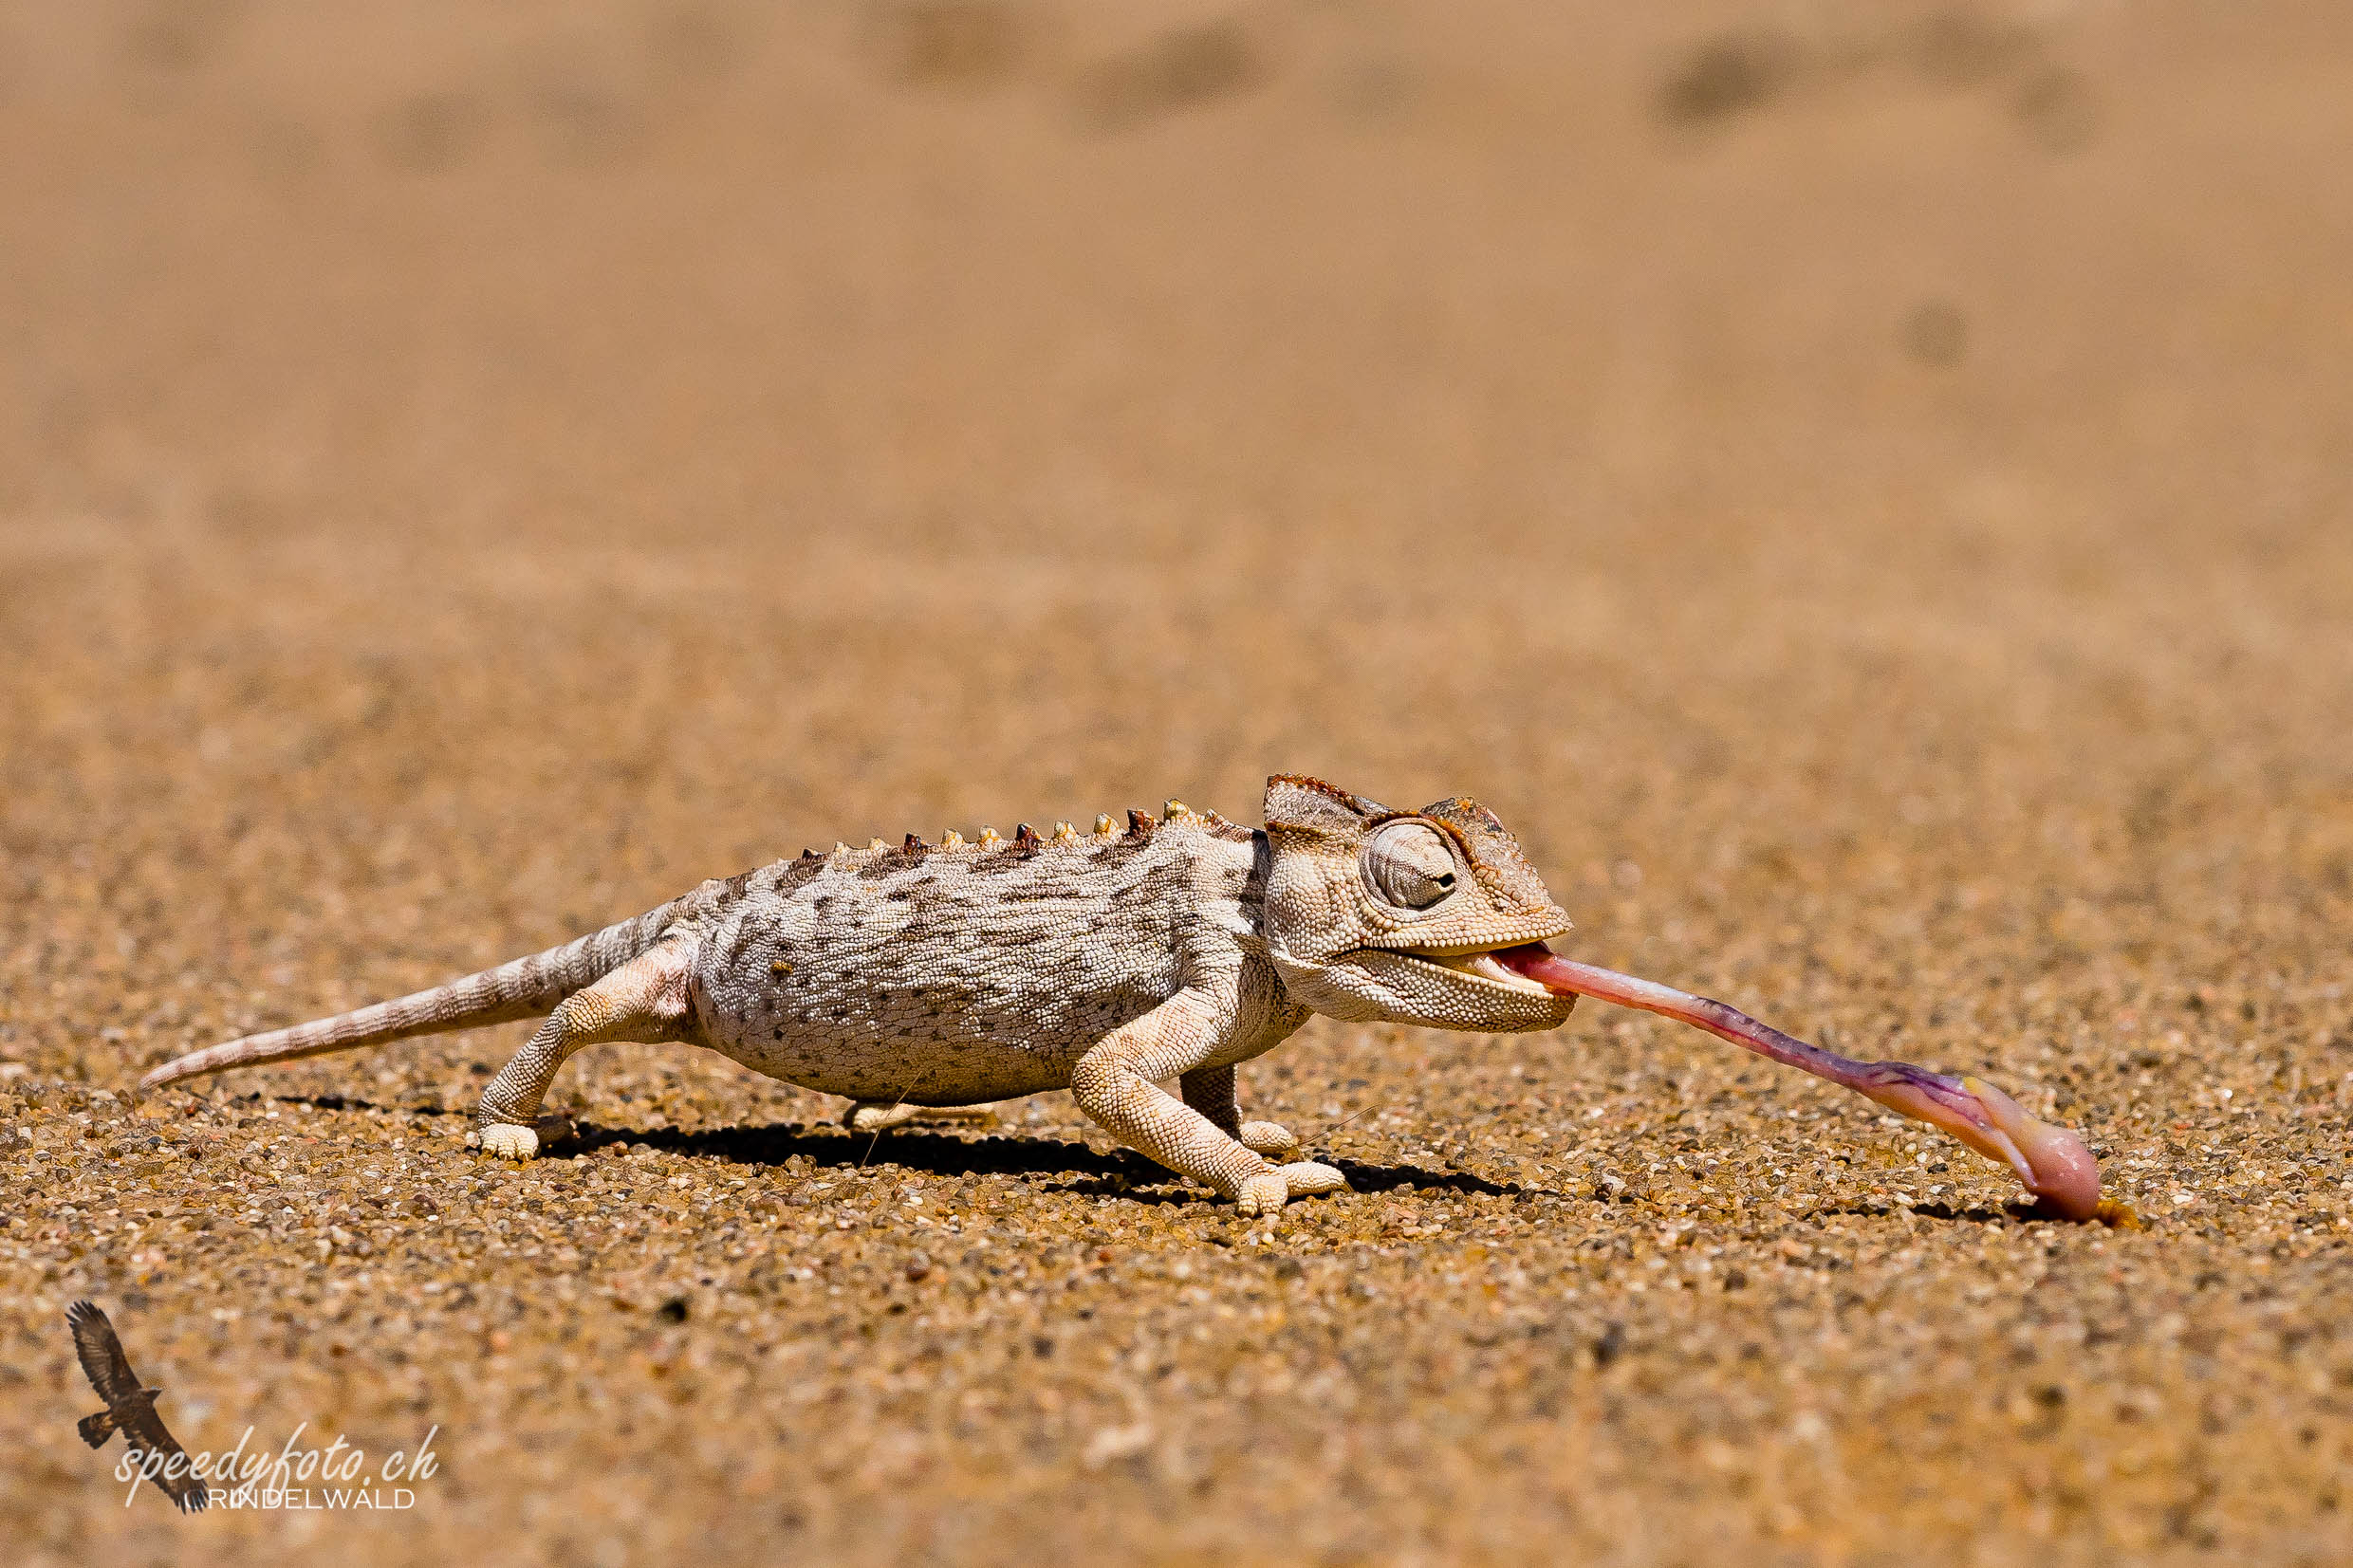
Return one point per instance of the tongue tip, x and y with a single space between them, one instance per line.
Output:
2066 1179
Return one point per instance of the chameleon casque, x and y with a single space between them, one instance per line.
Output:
962 973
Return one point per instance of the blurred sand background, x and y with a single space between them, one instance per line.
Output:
1863 489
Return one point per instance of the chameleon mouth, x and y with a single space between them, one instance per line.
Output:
1490 965
2053 1163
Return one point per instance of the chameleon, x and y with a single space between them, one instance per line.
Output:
916 976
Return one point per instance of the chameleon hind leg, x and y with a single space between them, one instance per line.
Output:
644 1000
881 1116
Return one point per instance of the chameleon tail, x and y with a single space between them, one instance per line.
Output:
524 988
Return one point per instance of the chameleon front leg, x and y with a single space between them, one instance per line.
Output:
644 1000
1210 1091
1114 1084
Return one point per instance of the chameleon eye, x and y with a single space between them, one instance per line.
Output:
1409 865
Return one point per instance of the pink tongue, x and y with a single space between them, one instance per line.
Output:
2053 1163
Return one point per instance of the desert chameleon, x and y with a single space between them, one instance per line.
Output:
965 973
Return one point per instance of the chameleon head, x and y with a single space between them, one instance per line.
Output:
1389 916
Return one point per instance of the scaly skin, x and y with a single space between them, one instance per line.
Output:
949 976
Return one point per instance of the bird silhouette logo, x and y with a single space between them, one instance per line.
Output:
130 1406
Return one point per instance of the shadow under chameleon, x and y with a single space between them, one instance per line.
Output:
1118 1173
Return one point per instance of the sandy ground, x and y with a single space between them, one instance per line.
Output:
1863 490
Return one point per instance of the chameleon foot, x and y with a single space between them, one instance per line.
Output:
1310 1179
1270 1138
1261 1193
1268 1190
507 1141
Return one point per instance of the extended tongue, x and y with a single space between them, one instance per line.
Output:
2051 1161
